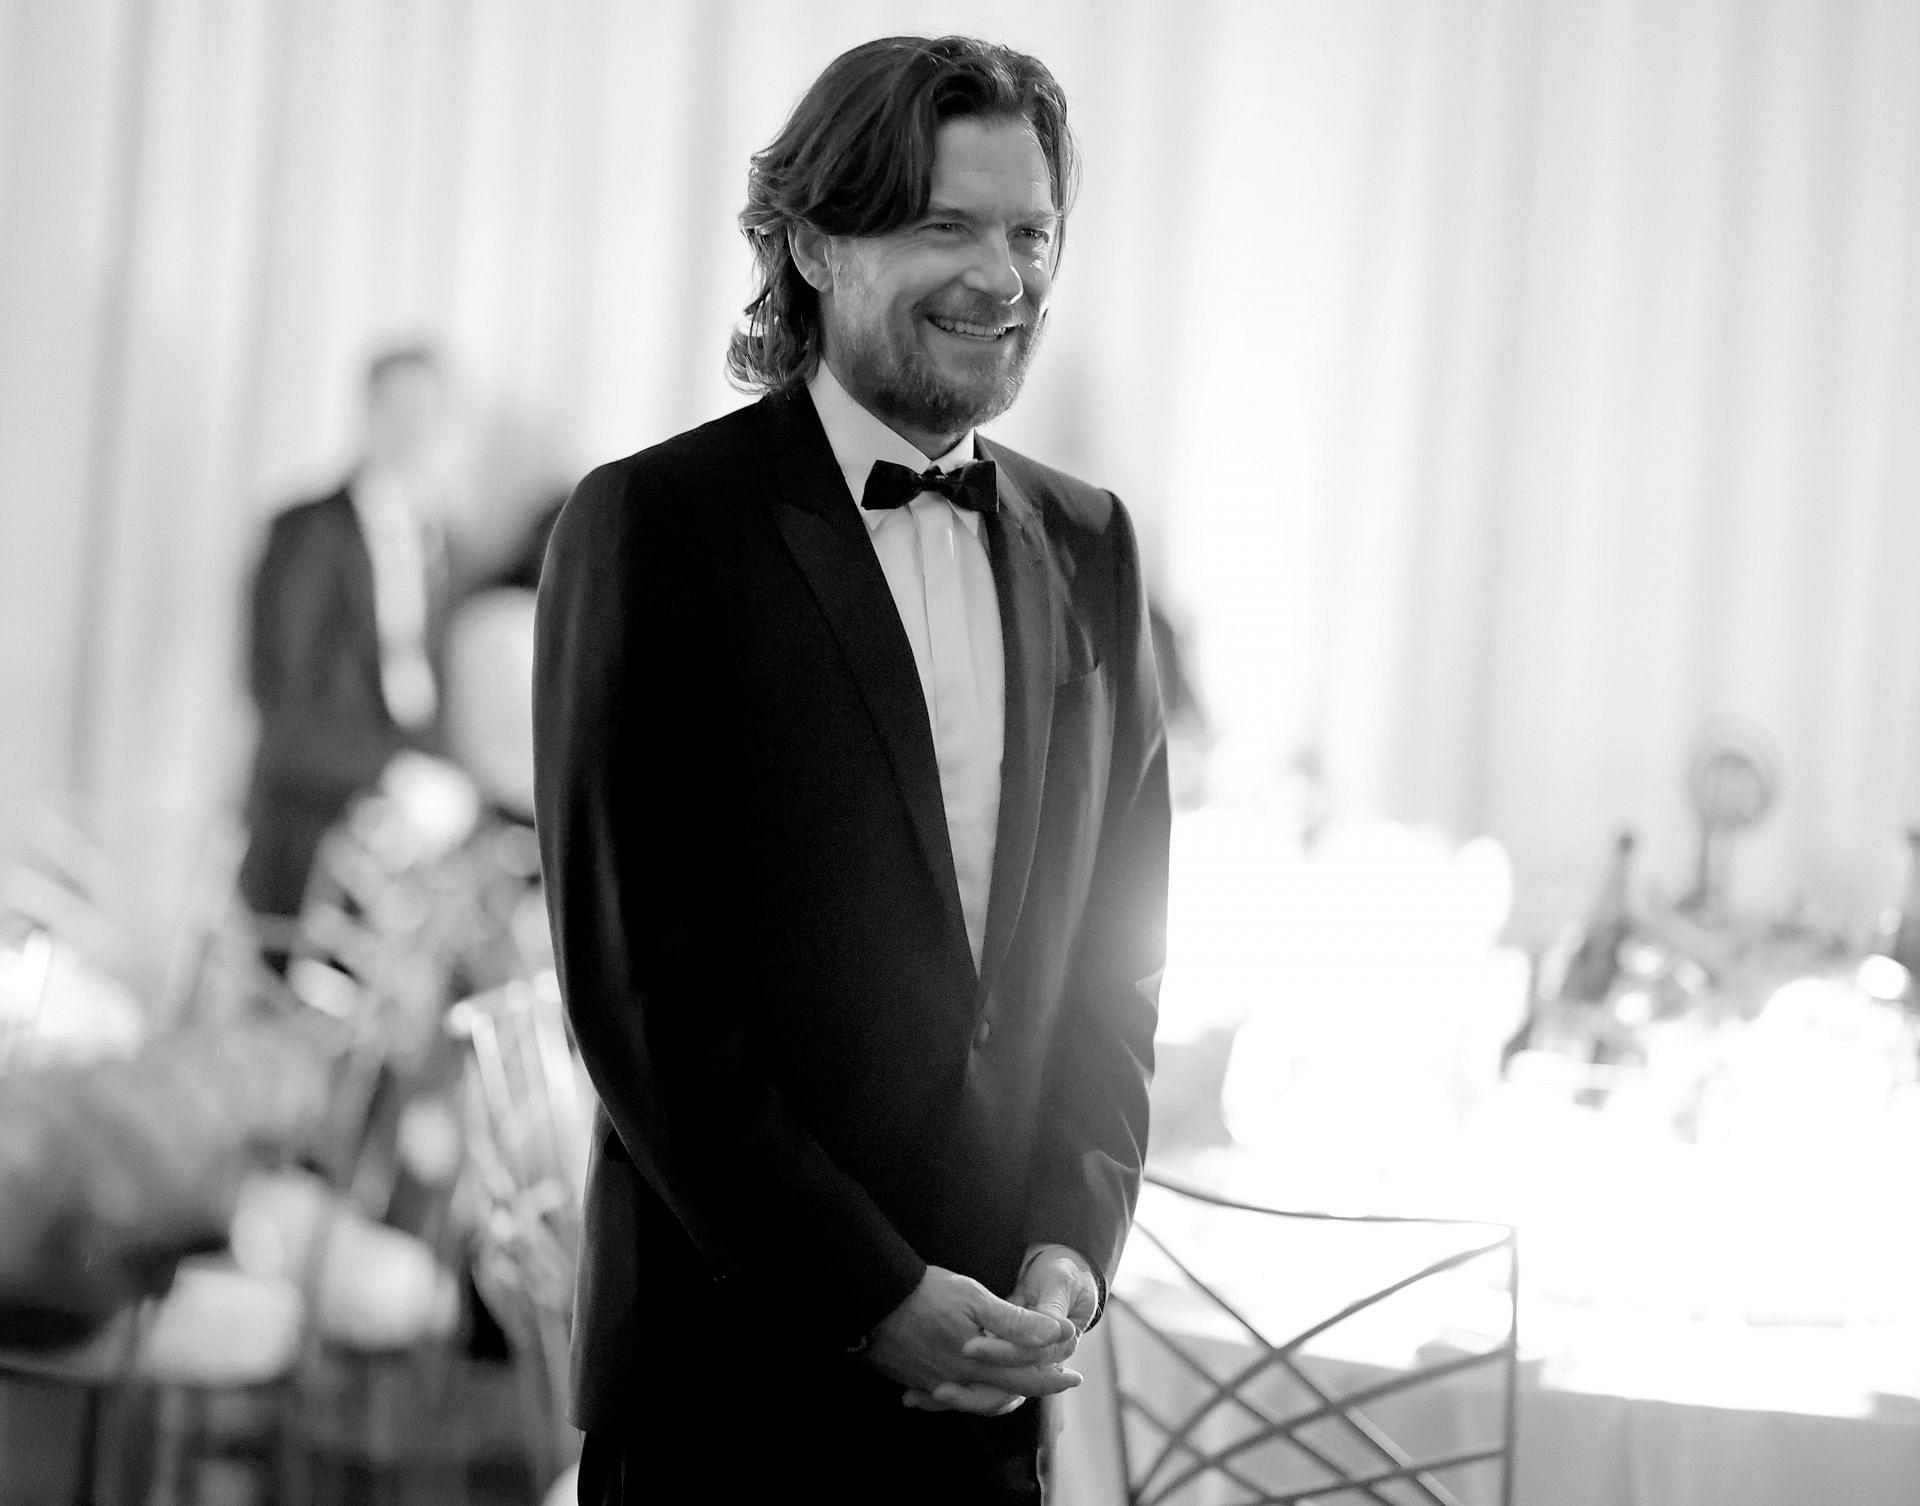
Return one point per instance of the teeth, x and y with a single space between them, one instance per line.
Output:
978 331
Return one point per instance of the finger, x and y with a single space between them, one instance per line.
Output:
978 1398
1019 1325
1062 1291
1028 1380
991 1351
1056 1302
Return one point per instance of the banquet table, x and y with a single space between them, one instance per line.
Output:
1616 1407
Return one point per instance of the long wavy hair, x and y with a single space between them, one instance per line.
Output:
856 158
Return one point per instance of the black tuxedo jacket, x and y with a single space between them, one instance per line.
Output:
314 672
808 1093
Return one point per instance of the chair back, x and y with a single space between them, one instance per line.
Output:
373 952
373 916
528 1120
1267 1355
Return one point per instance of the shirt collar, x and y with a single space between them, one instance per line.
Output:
858 439
381 496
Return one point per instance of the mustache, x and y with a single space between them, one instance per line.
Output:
988 313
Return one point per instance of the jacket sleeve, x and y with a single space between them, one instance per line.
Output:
630 705
1094 1140
322 735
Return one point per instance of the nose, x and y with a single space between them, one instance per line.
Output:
992 271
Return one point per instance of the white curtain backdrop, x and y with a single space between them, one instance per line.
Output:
1505 387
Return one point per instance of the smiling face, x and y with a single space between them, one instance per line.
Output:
930 327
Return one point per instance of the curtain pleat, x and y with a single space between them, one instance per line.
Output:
1505 389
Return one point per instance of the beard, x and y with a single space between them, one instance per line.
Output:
891 375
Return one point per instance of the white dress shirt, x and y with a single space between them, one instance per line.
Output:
935 561
402 553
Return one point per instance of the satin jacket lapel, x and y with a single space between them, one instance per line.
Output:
1023 571
821 525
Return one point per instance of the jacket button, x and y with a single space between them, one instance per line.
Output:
983 1032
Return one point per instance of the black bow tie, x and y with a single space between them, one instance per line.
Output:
970 486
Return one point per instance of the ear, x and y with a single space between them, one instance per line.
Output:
810 248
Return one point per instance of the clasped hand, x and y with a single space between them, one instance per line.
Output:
955 1346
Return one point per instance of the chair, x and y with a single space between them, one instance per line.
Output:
373 963
234 1352
527 1139
1396 1383
126 1149
376 950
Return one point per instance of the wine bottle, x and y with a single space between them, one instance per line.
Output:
1595 963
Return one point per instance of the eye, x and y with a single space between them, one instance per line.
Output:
1034 235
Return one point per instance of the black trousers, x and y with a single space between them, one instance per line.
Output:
770 1445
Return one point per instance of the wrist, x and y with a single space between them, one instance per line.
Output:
871 1333
1034 1252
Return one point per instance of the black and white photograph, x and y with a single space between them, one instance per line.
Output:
959 752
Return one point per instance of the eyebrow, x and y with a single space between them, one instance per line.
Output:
954 212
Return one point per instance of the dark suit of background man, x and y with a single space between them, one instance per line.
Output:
854 819
349 612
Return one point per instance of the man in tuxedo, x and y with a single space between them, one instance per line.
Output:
852 798
348 617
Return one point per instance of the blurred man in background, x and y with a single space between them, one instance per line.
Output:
348 626
852 795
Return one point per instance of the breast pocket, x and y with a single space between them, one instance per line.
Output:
1074 655
1079 760
1080 748
1083 706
